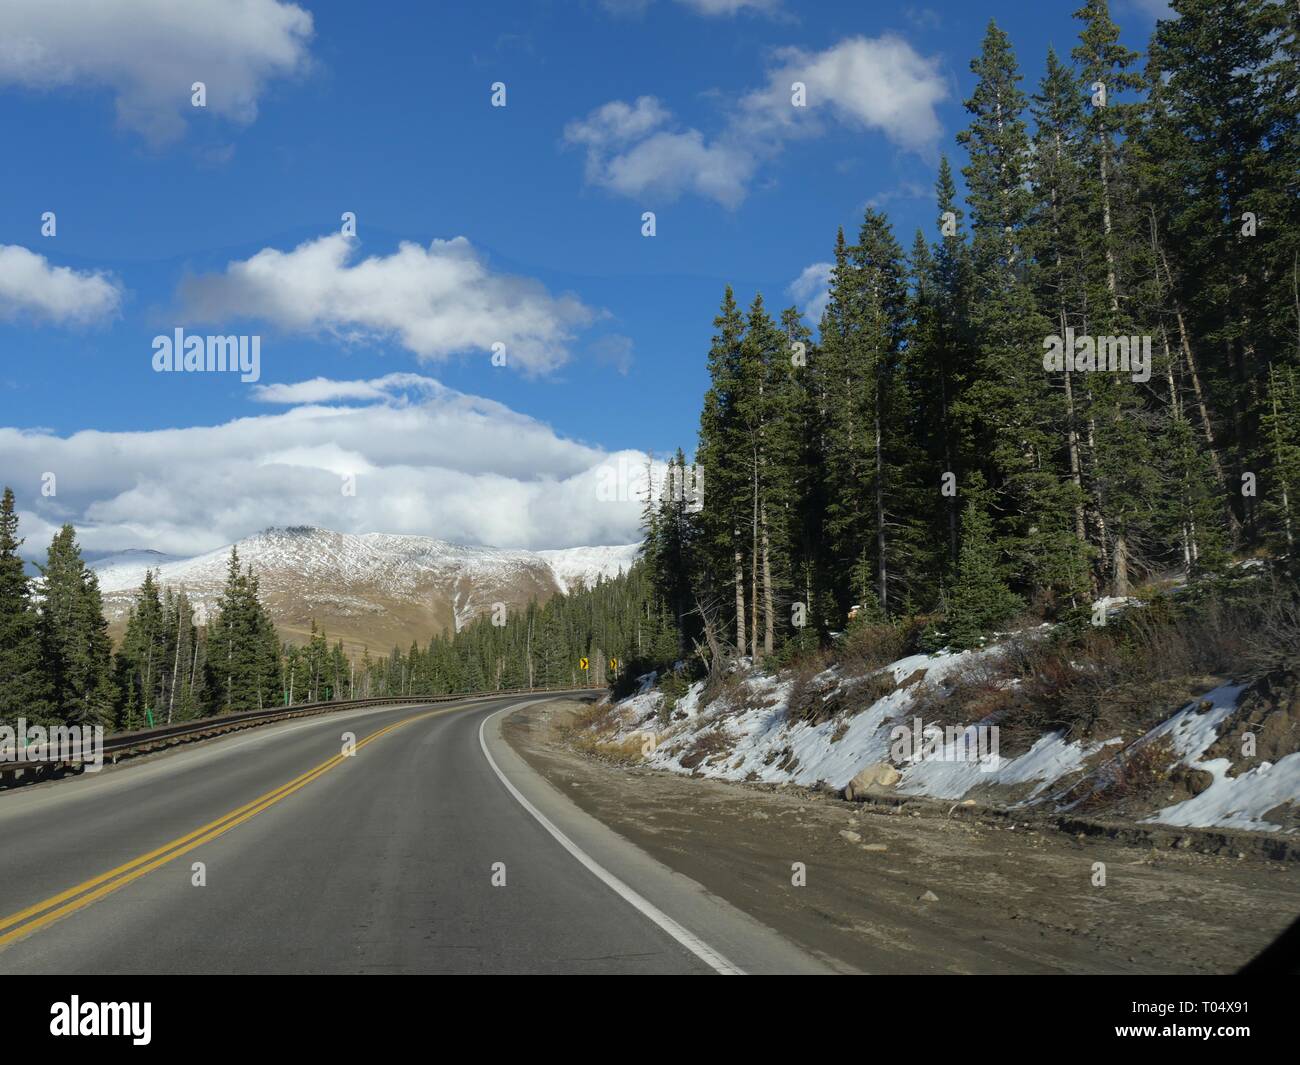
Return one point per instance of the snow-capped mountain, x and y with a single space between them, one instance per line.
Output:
374 589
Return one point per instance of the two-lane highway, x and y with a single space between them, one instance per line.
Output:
431 849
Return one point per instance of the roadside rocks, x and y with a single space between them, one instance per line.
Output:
1192 779
875 775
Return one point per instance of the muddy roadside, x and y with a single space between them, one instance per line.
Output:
928 888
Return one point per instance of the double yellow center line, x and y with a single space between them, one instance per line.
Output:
35 917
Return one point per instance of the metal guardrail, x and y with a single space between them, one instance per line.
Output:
142 741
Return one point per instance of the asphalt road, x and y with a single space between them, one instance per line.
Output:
380 862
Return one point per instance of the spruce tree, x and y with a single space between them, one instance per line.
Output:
1226 129
1014 412
722 459
74 636
981 600
24 683
862 340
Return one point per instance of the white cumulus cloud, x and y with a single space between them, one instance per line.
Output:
729 7
812 290
30 286
877 84
707 8
435 301
149 53
618 123
668 164
881 84
428 460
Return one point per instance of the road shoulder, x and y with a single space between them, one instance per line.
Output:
899 891
732 933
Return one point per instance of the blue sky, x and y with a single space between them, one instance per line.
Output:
671 106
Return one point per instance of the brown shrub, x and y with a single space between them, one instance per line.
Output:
814 700
706 746
865 648
592 717
1114 680
728 689
1131 776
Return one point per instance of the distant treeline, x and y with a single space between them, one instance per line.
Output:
618 626
176 663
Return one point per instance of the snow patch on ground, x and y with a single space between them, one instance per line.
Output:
748 735
1050 759
1230 802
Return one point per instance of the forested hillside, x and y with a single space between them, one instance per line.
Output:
618 626
976 433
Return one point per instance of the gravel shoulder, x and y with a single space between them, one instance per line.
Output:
927 888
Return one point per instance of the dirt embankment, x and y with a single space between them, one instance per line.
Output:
917 886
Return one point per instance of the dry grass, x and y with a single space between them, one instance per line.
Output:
589 730
859 679
727 690
707 746
1131 776
625 752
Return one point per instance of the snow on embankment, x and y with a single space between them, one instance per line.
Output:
751 734
1231 801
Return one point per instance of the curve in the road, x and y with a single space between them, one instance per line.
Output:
386 863
684 936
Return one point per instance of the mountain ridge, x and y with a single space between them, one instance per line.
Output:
375 590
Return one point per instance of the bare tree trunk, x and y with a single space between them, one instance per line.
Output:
1104 537
1112 284
1121 561
1071 428
176 665
882 566
1277 446
769 627
740 596
711 637
1207 427
1076 469
148 680
1176 413
753 565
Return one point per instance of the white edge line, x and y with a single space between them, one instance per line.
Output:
684 936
